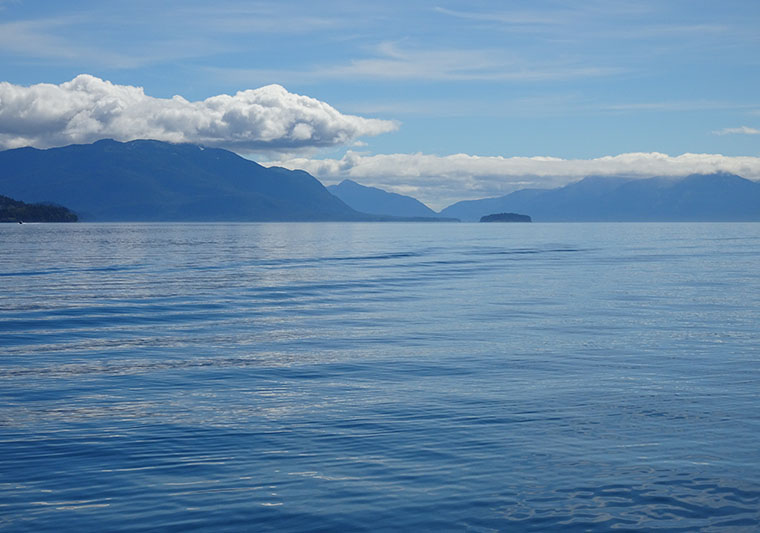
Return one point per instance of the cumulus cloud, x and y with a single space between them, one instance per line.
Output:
87 108
442 180
741 130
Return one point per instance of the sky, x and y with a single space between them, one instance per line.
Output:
444 100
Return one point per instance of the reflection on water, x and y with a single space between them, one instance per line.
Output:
379 376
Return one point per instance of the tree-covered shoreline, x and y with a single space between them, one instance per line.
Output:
16 211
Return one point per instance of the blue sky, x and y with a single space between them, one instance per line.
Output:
496 81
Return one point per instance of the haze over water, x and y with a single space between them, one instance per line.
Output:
379 377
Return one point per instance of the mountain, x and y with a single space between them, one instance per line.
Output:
698 197
158 181
378 201
15 211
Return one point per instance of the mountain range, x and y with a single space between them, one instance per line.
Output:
698 197
158 181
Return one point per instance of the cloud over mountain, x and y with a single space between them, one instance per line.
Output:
440 180
88 108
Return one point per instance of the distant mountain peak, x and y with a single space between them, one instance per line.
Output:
377 201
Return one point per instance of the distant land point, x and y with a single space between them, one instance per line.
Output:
505 217
16 211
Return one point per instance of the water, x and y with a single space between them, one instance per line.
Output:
328 377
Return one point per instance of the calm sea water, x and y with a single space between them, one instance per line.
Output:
331 377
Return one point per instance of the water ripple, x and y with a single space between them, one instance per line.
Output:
373 377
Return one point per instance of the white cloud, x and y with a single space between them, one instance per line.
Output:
741 130
390 62
396 63
537 17
596 18
441 180
36 38
87 108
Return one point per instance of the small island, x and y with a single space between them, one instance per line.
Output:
16 211
505 217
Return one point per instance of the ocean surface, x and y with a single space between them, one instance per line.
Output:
380 377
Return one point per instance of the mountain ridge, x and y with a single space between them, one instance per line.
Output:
692 198
147 180
378 201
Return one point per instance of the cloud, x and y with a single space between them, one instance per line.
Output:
442 180
246 17
741 130
596 19
392 62
675 106
64 40
157 32
389 62
87 108
537 17
36 38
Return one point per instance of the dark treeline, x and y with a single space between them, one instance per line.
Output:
15 211
505 217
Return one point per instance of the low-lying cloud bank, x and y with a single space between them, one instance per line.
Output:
87 108
441 180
